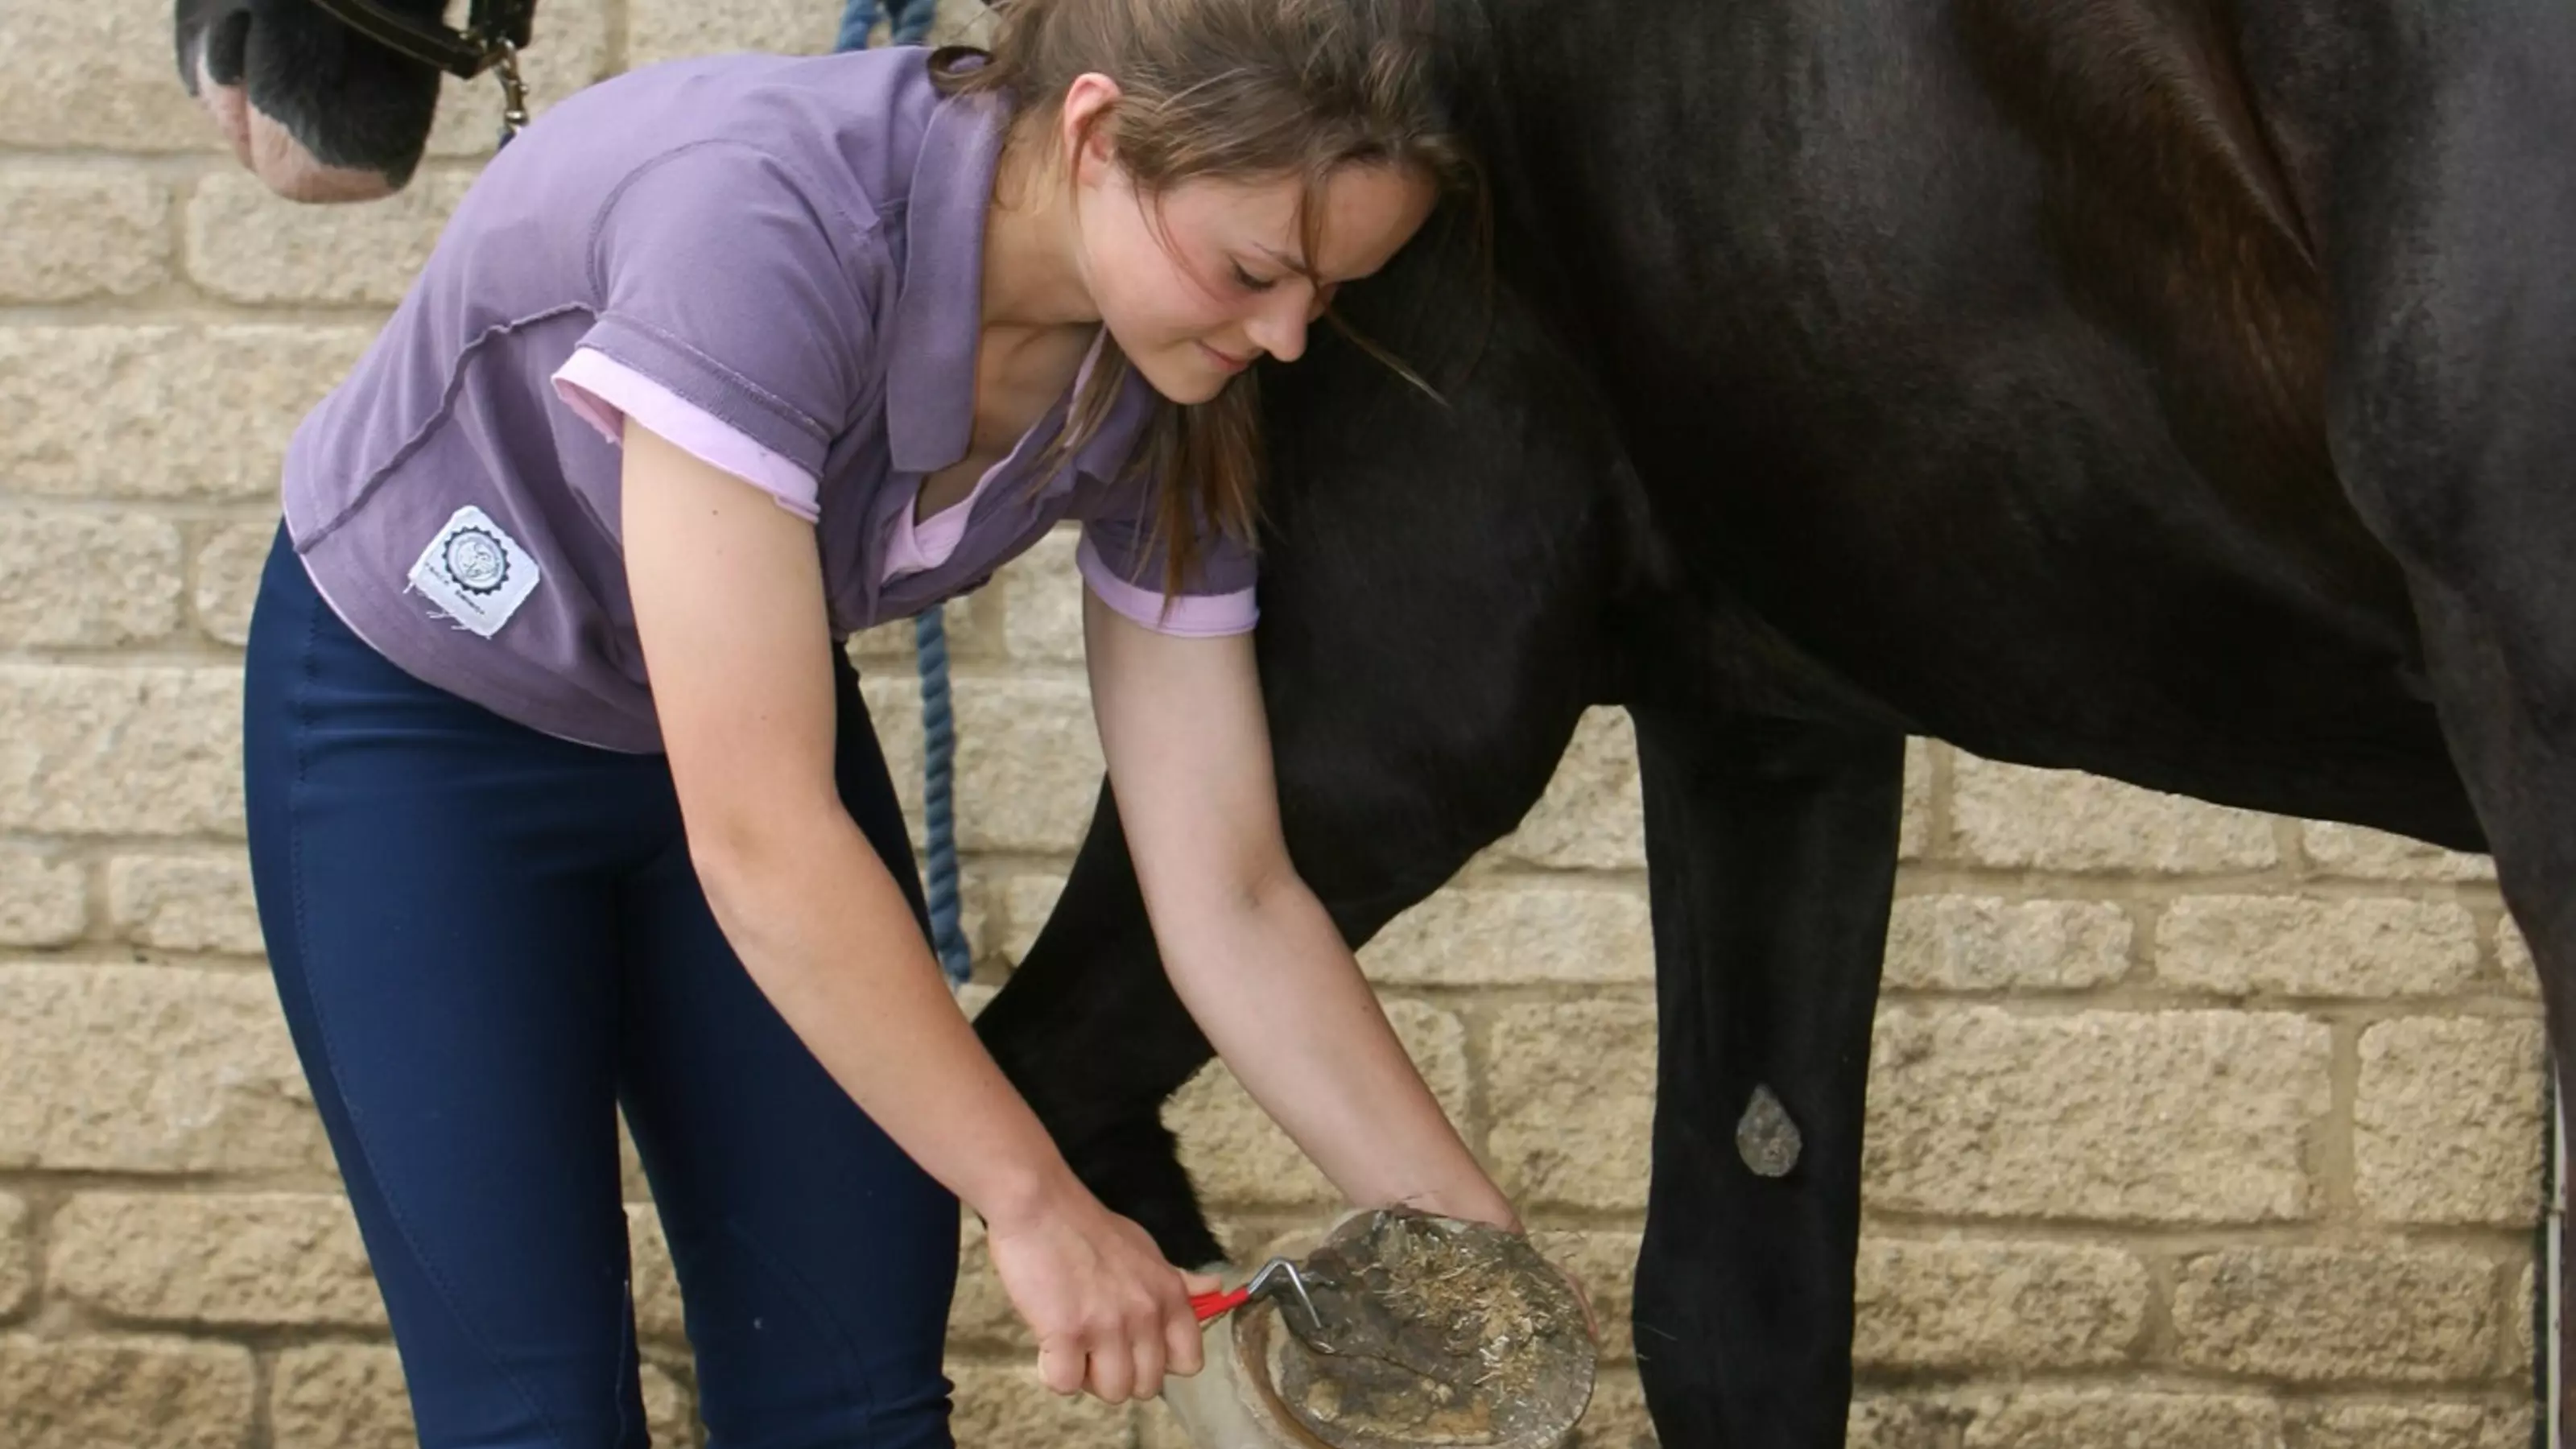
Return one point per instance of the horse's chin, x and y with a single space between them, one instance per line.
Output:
282 163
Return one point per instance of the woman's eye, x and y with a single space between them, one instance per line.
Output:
1249 282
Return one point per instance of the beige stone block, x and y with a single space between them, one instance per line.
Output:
2244 945
149 1069
1914 834
1009 1407
2005 815
120 751
2513 956
1042 613
128 1393
670 1410
249 245
981 1313
632 1185
1572 1090
339 1396
228 568
2519 1324
971 622
221 1259
1968 1304
2416 1426
1981 943
1605 1263
2448 1122
2334 848
185 902
2320 1315
1888 1421
76 233
2095 1419
894 706
660 1316
892 692
665 29
1237 1155
1506 934
1616 1417
82 578
877 649
568 50
96 75
165 411
1593 812
1157 1428
1028 763
2187 1116
951 21
1026 902
351 1396
996 752
974 623
44 900
17 1254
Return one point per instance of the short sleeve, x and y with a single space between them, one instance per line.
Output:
1124 563
735 314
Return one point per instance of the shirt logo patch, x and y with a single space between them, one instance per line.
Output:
475 572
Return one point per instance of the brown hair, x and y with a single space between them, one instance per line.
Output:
1238 90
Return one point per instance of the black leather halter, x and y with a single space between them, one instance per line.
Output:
494 31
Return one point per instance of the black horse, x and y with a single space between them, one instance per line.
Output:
2180 390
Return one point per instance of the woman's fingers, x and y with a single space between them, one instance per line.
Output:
1183 1339
1145 1341
1113 1368
1062 1367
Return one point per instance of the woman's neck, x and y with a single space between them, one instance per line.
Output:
1033 274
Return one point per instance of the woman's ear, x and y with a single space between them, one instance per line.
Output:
1086 126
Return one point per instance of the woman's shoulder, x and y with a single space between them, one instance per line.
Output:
844 129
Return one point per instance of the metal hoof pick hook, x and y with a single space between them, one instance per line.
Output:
1263 1283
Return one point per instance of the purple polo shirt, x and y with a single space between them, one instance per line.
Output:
776 262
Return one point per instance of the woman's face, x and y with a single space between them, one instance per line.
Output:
1198 283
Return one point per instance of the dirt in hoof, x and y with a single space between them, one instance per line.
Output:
1433 1332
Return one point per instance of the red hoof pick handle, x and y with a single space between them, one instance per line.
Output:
1261 1284
1209 1305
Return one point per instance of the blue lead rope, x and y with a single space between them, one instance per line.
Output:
938 798
929 632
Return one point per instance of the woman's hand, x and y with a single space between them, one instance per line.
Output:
1111 1317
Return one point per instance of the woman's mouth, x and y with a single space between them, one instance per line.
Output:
1225 361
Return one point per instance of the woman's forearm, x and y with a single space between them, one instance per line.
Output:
1268 979
829 938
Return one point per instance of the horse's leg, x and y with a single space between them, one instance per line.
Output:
1771 851
2450 220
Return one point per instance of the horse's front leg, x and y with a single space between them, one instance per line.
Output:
1771 850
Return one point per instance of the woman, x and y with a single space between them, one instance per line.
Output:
722 361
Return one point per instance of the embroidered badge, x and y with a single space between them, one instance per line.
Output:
475 572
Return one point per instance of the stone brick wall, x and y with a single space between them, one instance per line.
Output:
2191 1127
